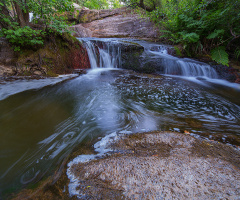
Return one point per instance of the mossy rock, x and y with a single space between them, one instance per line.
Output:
59 55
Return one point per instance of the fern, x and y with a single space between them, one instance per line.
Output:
190 37
220 55
215 34
237 53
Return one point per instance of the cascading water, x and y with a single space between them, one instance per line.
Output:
108 56
106 53
183 67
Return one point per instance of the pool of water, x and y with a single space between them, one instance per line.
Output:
40 127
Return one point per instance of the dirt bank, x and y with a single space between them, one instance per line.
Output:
60 54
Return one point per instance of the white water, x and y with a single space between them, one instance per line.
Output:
102 148
106 53
107 57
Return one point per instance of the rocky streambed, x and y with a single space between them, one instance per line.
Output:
152 165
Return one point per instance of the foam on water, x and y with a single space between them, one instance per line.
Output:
102 148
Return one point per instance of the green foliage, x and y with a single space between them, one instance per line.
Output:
189 37
115 4
48 17
215 34
237 53
178 51
21 37
99 4
220 55
50 13
96 4
199 25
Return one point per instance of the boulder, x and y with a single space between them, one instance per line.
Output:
86 15
76 6
129 26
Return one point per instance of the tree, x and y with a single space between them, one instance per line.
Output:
48 16
148 5
202 27
19 12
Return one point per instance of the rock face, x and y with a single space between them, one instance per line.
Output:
5 70
161 166
128 26
86 15
80 31
114 23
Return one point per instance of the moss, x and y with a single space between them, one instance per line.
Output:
128 42
178 51
51 74
83 19
60 55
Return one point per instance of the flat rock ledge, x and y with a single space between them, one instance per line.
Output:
153 165
161 166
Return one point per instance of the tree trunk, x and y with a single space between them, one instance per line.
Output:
22 16
4 14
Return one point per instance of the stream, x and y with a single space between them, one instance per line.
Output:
39 127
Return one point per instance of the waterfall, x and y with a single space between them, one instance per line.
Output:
106 53
92 54
181 66
187 68
102 53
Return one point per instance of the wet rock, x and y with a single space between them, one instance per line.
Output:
130 52
79 71
141 62
227 73
162 166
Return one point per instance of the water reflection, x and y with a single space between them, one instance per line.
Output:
39 128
